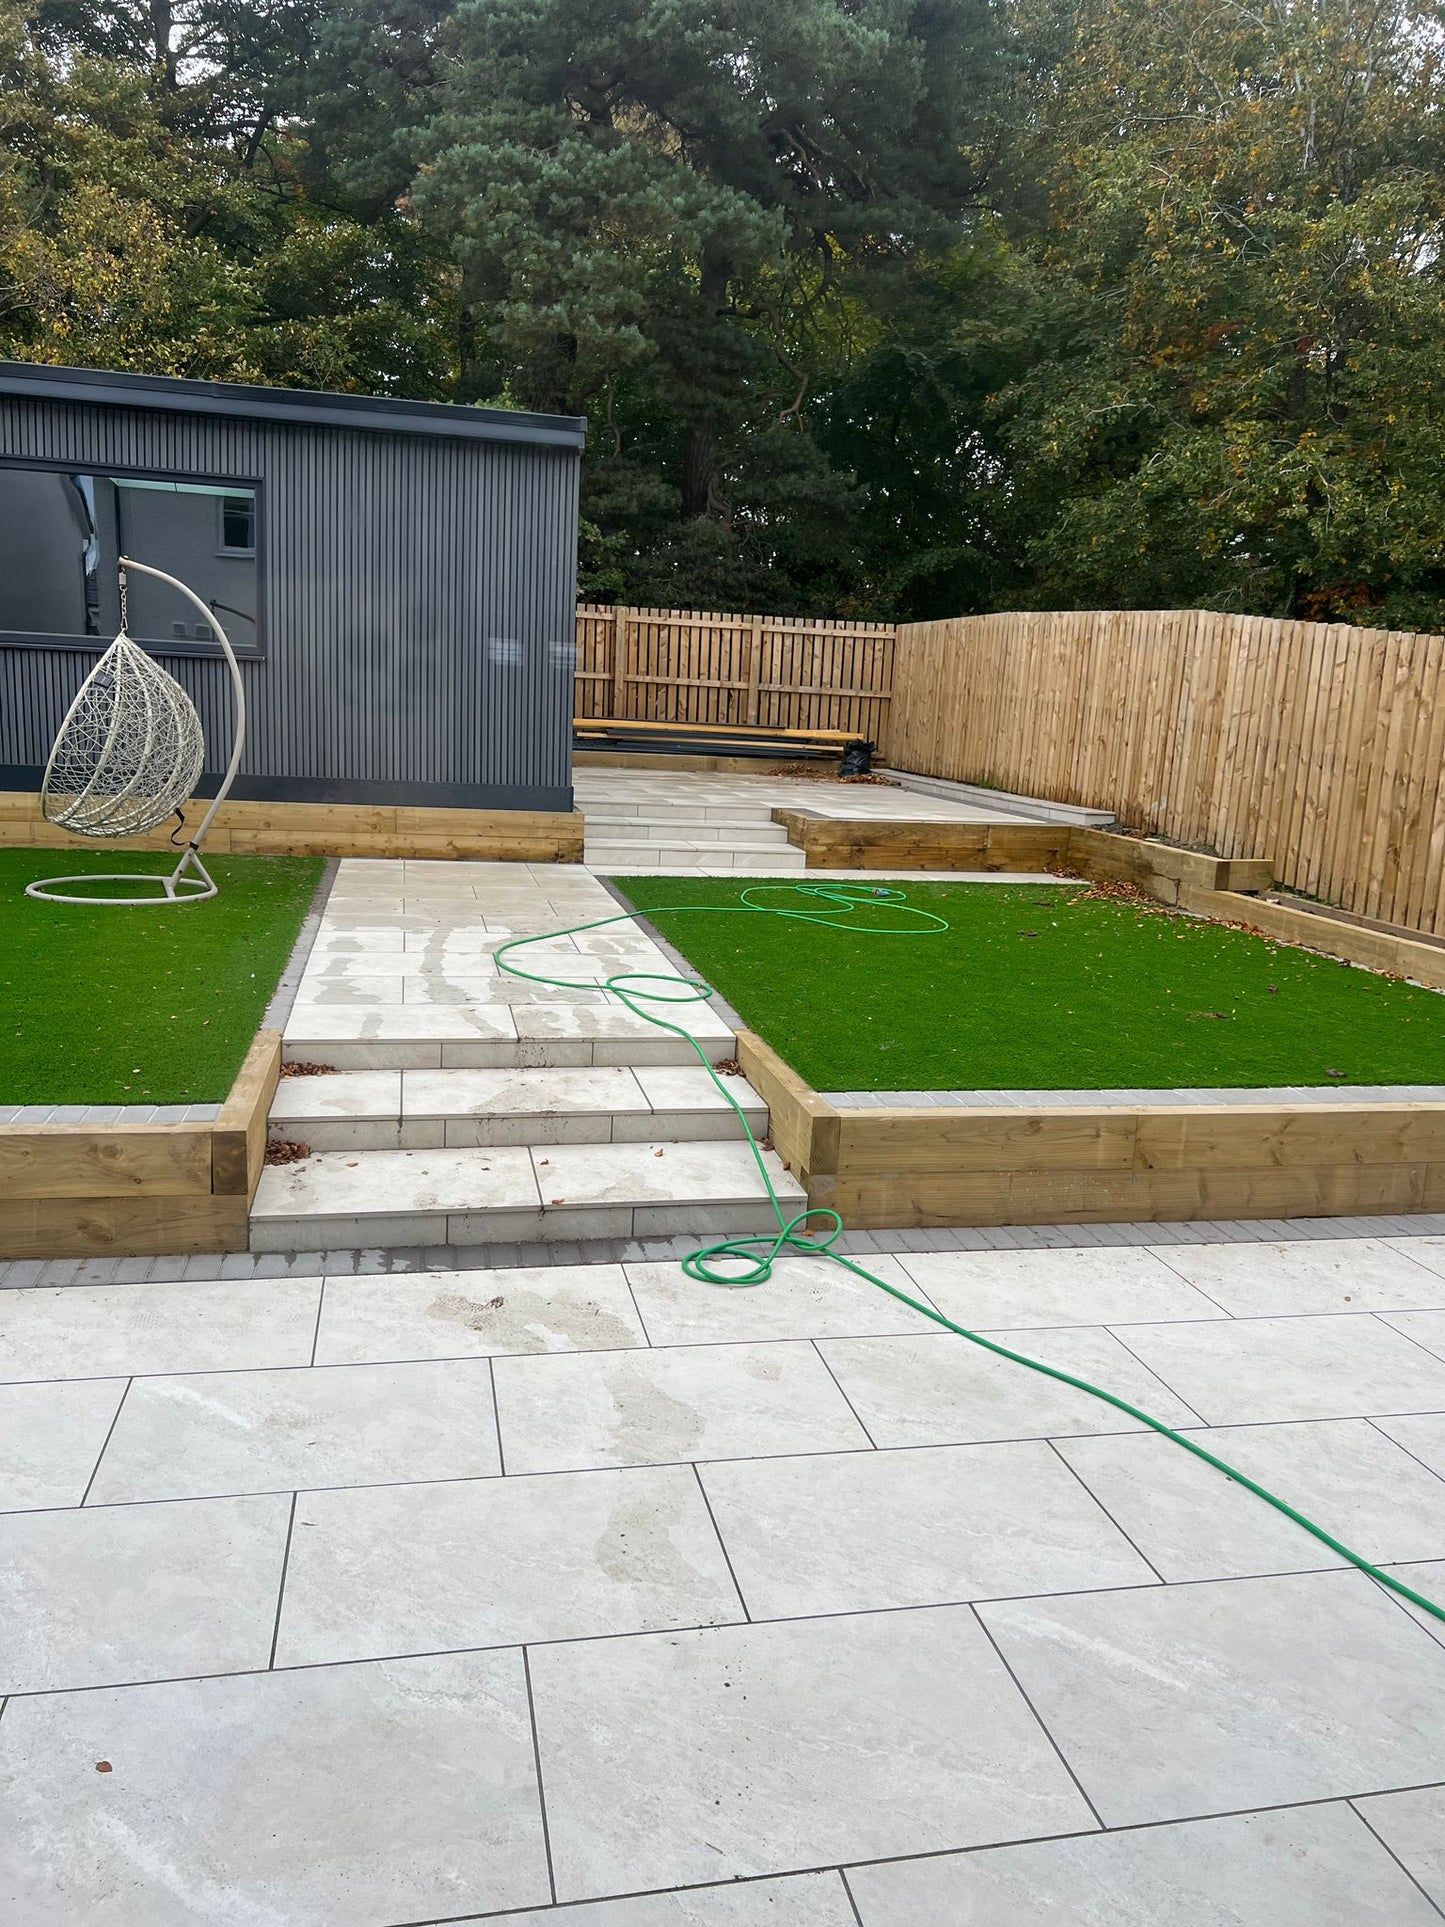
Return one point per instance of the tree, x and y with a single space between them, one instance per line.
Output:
156 214
1238 401
671 218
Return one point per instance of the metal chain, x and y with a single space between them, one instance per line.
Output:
124 606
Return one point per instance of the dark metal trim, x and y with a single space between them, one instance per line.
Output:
382 414
322 789
97 645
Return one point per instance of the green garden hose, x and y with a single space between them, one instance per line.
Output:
838 905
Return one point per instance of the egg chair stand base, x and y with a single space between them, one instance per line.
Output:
189 882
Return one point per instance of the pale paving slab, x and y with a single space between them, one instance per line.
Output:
941 1390
358 1794
997 1290
1412 1825
1310 1867
327 964
420 1568
531 1093
317 998
386 1183
368 1096
799 1900
864 1531
504 990
615 1021
713 1172
400 1036
804 1298
1426 1251
1310 1275
97 1598
701 1756
474 1314
100 1330
575 1410
334 941
477 1023
461 990
228 1432
1193 1523
1426 1328
1427 1578
1239 1371
1177 1701
50 1438
1422 1435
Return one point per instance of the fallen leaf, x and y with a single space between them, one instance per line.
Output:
280 1150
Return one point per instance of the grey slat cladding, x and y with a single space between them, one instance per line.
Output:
417 604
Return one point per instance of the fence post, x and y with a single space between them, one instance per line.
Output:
619 663
755 667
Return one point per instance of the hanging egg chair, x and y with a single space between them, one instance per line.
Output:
129 751
128 756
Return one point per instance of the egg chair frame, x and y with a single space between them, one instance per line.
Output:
190 881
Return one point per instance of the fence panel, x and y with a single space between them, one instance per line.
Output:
1315 744
696 666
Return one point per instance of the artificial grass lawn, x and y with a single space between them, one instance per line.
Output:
144 1005
1035 988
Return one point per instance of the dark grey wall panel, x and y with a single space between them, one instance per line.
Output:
418 596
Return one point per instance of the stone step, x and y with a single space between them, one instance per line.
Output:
512 1194
428 1109
669 829
606 854
651 811
755 836
476 1036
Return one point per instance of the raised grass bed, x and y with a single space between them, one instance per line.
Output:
146 1005
1046 987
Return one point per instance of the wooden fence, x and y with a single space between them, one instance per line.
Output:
688 666
1318 745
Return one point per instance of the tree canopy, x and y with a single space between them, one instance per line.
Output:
875 307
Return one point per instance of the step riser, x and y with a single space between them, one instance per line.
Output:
554 1225
514 1194
556 1053
740 836
674 813
473 1133
635 856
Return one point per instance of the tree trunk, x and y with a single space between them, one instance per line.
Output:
162 51
699 470
701 477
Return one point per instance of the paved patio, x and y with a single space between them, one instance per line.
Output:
360 1600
